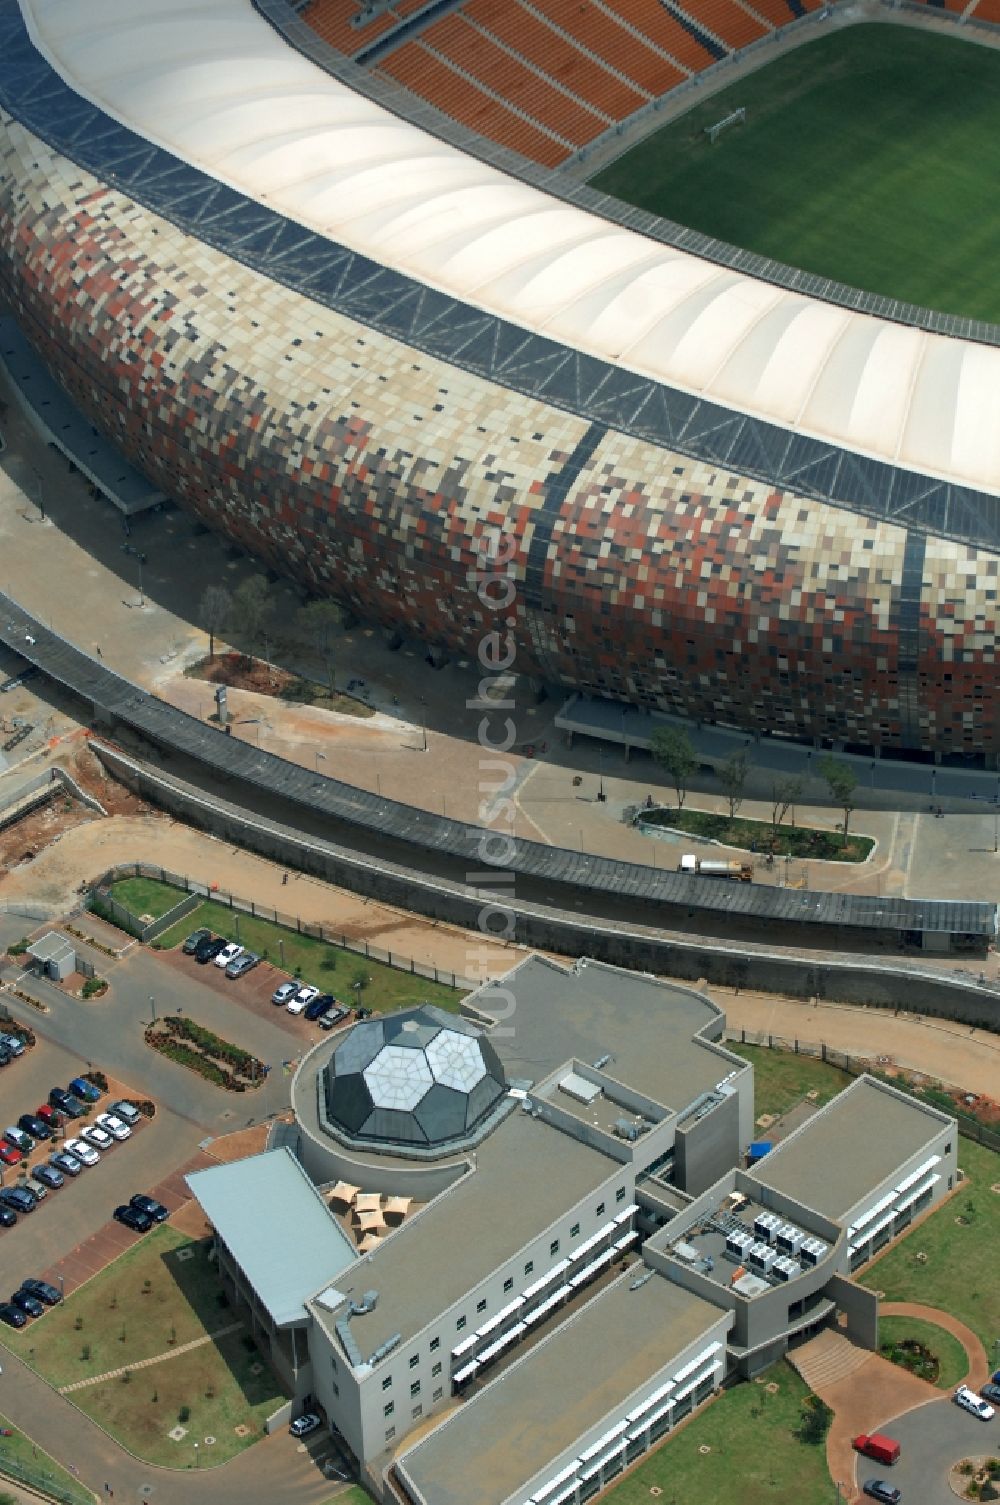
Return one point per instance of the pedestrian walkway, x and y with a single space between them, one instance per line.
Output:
157 1358
979 1368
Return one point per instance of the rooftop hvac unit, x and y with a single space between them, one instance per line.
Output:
579 1088
761 1257
738 1243
626 1129
812 1251
785 1268
789 1239
765 1224
687 1253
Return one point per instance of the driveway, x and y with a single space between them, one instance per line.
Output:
933 1437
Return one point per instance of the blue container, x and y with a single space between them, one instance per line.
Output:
758 1149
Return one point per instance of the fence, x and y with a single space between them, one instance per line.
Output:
857 1065
196 892
40 1479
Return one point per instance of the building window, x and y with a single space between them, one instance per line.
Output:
529 1267
390 1433
414 1389
508 1284
388 1408
436 1369
438 1394
417 1411
480 1306
387 1382
459 1324
947 1149
336 1387
554 1246
600 1209
333 1362
620 1194
435 1344
414 1360
574 1232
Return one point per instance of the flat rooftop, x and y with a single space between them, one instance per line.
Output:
276 1225
646 1027
589 1366
528 1174
849 1147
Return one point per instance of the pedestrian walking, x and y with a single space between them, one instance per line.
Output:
284 879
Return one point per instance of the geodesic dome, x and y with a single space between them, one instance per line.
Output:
419 1078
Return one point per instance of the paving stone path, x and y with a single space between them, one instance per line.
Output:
157 1358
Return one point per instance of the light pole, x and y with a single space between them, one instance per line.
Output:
138 555
62 1283
152 1007
196 1455
423 723
319 755
39 494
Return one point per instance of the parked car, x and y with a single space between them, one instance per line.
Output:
9 1154
126 1111
19 1139
149 1206
66 1163
85 1090
132 1217
50 1115
880 1489
973 1403
13 1043
36 1127
12 1315
207 951
303 1425
320 1004
230 951
49 1175
82 1151
301 999
8 1217
194 940
242 964
332 1017
878 1446
112 1125
991 1393
47 1295
29 1304
284 991
98 1137
66 1103
38 1191
18 1198
6 1055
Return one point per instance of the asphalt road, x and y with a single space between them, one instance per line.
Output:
932 1437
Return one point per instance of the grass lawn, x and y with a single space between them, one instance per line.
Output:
145 896
782 1079
755 1456
959 1275
947 1350
316 961
866 157
113 1321
354 1495
756 835
20 1458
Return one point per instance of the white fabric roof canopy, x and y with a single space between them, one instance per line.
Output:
212 82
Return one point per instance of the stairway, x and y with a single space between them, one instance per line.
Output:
827 1359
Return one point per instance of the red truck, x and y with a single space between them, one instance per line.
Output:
876 1445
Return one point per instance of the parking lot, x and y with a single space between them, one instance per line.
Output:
253 991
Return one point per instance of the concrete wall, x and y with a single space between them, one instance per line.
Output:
886 985
860 1307
706 1148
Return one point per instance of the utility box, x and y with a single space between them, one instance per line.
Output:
54 956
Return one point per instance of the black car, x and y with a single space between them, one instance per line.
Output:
194 940
12 1315
139 1222
879 1489
7 1217
28 1303
35 1126
18 1198
208 950
6 1055
150 1207
332 1017
66 1103
319 1006
49 1175
991 1393
46 1294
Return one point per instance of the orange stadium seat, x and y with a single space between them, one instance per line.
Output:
778 12
618 46
491 65
656 22
331 19
726 20
422 73
987 10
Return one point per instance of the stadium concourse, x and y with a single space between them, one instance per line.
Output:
370 357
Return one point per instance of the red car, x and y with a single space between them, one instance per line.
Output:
9 1155
50 1115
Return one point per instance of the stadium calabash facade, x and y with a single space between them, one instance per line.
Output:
367 357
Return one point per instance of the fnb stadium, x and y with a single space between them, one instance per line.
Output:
361 289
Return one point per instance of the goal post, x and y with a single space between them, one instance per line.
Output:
735 117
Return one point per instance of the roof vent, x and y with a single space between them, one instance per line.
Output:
640 1280
601 1062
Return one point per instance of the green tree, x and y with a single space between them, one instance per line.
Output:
250 612
785 792
842 784
672 751
214 612
318 625
732 776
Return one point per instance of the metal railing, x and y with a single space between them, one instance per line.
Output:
41 1479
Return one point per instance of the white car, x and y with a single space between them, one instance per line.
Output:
301 1000
284 991
973 1403
113 1126
228 954
98 1137
82 1151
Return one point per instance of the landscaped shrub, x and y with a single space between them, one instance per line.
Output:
816 1419
98 1079
92 987
184 1414
17 948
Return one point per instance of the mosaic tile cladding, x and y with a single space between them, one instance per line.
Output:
368 469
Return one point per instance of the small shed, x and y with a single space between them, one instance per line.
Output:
54 956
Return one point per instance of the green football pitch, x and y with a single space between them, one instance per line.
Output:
871 155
